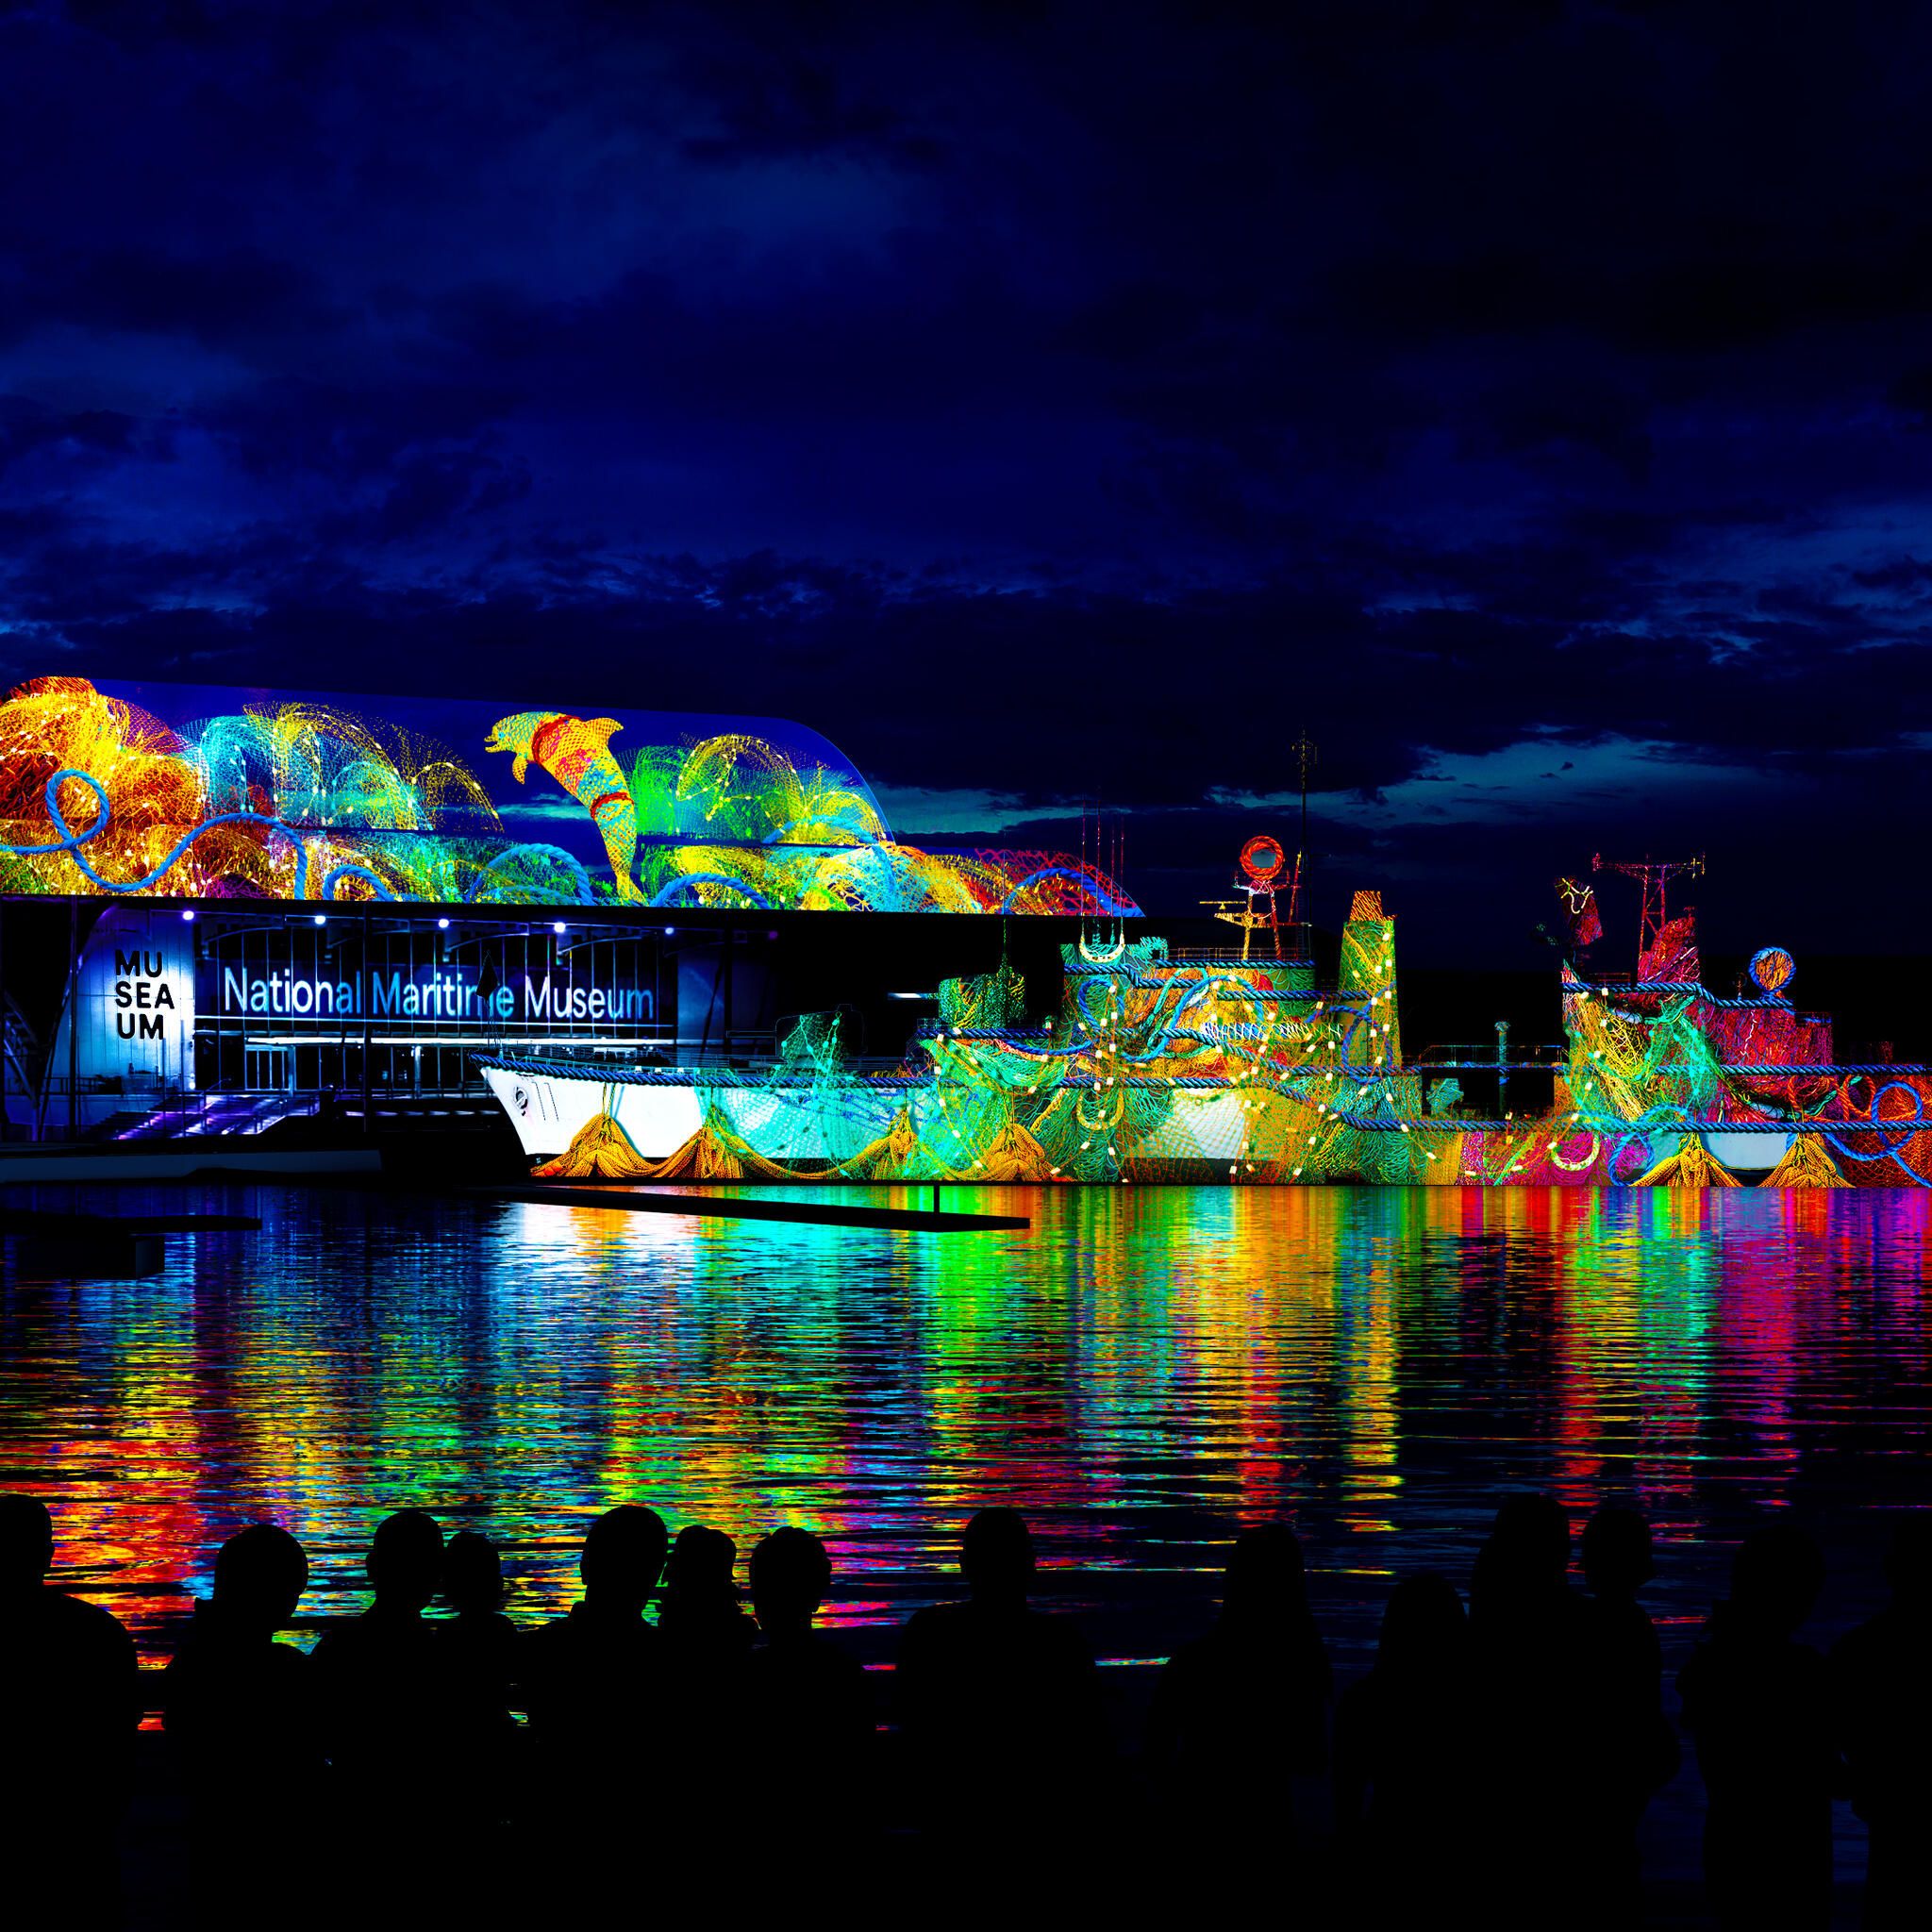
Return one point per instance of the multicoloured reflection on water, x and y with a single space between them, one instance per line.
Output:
1141 1371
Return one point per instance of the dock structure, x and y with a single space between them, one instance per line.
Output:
107 1247
823 1212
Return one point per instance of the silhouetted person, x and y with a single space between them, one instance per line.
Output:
1538 1730
1404 1797
1240 1711
707 1638
387 1693
1635 1751
70 1700
1882 1675
596 1688
482 1642
808 1728
699 1612
242 1722
999 1703
1758 1703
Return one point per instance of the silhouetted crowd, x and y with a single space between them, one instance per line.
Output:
1493 1766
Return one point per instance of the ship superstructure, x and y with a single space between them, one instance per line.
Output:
1163 1067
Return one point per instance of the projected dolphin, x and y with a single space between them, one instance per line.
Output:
576 753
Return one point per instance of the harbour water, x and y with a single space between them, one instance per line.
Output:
1141 1370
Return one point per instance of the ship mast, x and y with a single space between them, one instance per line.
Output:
1305 758
1653 876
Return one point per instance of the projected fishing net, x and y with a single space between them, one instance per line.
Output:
1158 1069
301 800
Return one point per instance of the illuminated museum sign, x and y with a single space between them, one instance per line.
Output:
143 998
133 1010
443 993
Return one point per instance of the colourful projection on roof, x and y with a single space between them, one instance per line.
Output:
189 791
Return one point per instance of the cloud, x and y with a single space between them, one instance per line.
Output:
795 109
232 297
1053 405
28 427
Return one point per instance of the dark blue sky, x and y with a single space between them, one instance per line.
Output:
1529 401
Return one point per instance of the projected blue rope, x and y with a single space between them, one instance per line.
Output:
1104 903
71 842
580 879
673 893
1906 1125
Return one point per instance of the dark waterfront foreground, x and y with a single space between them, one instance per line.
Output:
1141 1372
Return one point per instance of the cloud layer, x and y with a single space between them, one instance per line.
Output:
1529 401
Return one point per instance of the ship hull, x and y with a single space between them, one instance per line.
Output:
896 1132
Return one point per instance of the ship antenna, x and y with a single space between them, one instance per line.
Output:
1306 755
1653 877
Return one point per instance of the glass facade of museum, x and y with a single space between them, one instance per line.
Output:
170 1004
296 1006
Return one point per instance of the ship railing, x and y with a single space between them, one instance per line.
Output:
1257 956
1480 1056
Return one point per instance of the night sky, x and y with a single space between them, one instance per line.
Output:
1533 403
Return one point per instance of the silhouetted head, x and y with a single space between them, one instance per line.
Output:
790 1575
472 1572
623 1556
260 1574
699 1575
1264 1575
996 1556
406 1560
1775 1576
27 1543
1527 1554
1422 1627
1909 1564
1616 1551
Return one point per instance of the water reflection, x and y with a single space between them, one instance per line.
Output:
1141 1371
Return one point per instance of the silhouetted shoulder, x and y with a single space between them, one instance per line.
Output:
933 1634
582 1629
201 1657
811 1687
47 1638
241 1715
970 1625
1749 1688
590 1669
488 1645
1889 1650
1221 1653
55 1616
1621 1629
340 1643
70 1700
403 1659
967 1671
816 1658
1203 1669
932 1624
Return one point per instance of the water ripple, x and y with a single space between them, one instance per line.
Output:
1141 1371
